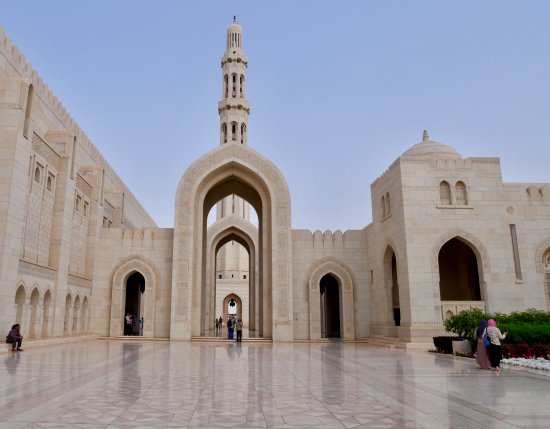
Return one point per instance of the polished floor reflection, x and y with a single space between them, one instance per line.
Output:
117 384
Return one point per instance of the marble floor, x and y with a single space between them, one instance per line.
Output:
119 384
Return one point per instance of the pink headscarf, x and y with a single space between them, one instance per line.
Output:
491 322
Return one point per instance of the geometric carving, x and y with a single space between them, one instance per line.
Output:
541 249
41 147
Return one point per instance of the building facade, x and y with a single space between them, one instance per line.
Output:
78 251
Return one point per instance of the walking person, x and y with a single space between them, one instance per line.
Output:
15 338
482 358
495 349
239 331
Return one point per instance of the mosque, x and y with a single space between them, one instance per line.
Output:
78 251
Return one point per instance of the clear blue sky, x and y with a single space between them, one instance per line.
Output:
340 88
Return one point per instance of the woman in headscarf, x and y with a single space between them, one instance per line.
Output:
481 352
495 349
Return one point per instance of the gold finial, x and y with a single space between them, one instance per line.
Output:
234 19
425 136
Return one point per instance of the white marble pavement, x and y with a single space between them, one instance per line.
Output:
115 384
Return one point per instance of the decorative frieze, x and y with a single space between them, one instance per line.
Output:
41 148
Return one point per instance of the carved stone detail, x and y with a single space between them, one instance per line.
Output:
41 147
541 250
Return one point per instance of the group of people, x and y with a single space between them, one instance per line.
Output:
489 356
15 338
131 325
233 324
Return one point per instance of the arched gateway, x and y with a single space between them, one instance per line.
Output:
239 170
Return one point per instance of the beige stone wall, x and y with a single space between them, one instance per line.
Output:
120 253
338 252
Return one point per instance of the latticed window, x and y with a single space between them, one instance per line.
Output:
445 193
461 197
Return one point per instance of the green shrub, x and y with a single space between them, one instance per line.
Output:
525 333
465 321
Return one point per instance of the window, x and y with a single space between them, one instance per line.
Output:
234 91
105 222
233 131
37 174
244 276
86 206
78 202
224 132
383 204
241 86
445 193
219 276
388 206
461 195
243 132
226 86
49 183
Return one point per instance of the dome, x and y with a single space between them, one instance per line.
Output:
431 149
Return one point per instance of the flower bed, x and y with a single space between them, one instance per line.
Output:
538 363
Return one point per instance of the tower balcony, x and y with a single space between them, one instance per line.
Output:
233 103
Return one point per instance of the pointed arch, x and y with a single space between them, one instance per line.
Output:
120 274
46 313
343 275
445 193
239 170
471 240
539 253
34 320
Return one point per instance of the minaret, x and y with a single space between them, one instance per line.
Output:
232 261
233 108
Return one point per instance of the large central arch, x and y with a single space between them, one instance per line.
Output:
243 232
232 169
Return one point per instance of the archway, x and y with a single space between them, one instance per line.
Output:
76 314
220 234
133 291
20 297
336 276
458 272
238 170
84 316
33 308
46 314
66 320
392 286
238 304
330 306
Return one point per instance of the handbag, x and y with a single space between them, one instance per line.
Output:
485 338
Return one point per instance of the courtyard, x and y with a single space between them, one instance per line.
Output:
142 384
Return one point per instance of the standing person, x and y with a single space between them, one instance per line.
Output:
229 329
128 324
135 325
239 331
15 338
495 349
481 352
217 326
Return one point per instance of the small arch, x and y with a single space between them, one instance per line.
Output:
49 183
234 88
329 289
445 193
224 133
84 316
46 309
66 327
20 298
243 133
238 303
461 193
234 131
76 315
33 309
121 273
448 314
241 86
37 174
392 286
542 250
339 271
226 86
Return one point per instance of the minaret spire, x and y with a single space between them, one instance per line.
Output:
233 107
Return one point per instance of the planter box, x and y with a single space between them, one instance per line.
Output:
462 346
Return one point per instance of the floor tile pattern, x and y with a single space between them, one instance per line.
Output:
127 385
